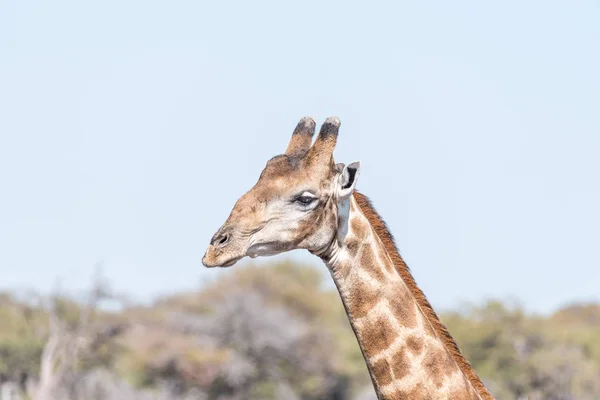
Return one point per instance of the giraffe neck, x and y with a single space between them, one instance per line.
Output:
405 352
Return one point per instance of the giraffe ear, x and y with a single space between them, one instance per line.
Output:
347 180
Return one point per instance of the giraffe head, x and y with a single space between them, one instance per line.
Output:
294 205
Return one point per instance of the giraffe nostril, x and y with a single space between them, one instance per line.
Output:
222 239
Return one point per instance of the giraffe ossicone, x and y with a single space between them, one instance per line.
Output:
304 200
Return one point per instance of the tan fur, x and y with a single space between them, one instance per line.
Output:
440 329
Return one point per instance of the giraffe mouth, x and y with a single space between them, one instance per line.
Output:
216 258
231 262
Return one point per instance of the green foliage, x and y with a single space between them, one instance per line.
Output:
520 355
19 355
21 341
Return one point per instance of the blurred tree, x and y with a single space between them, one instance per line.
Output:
275 327
272 332
73 337
520 357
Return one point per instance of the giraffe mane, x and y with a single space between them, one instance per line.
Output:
438 326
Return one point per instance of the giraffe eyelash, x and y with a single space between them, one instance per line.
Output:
305 199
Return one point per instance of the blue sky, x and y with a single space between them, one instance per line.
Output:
129 129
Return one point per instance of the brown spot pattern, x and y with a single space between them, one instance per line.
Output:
352 244
400 364
438 365
419 391
404 308
377 335
414 344
363 299
382 372
367 262
359 228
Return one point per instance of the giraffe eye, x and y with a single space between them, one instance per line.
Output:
305 200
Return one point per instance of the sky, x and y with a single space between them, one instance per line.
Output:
129 129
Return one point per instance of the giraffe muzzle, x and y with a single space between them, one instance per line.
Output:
217 257
223 250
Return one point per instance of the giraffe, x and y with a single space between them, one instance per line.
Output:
304 200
